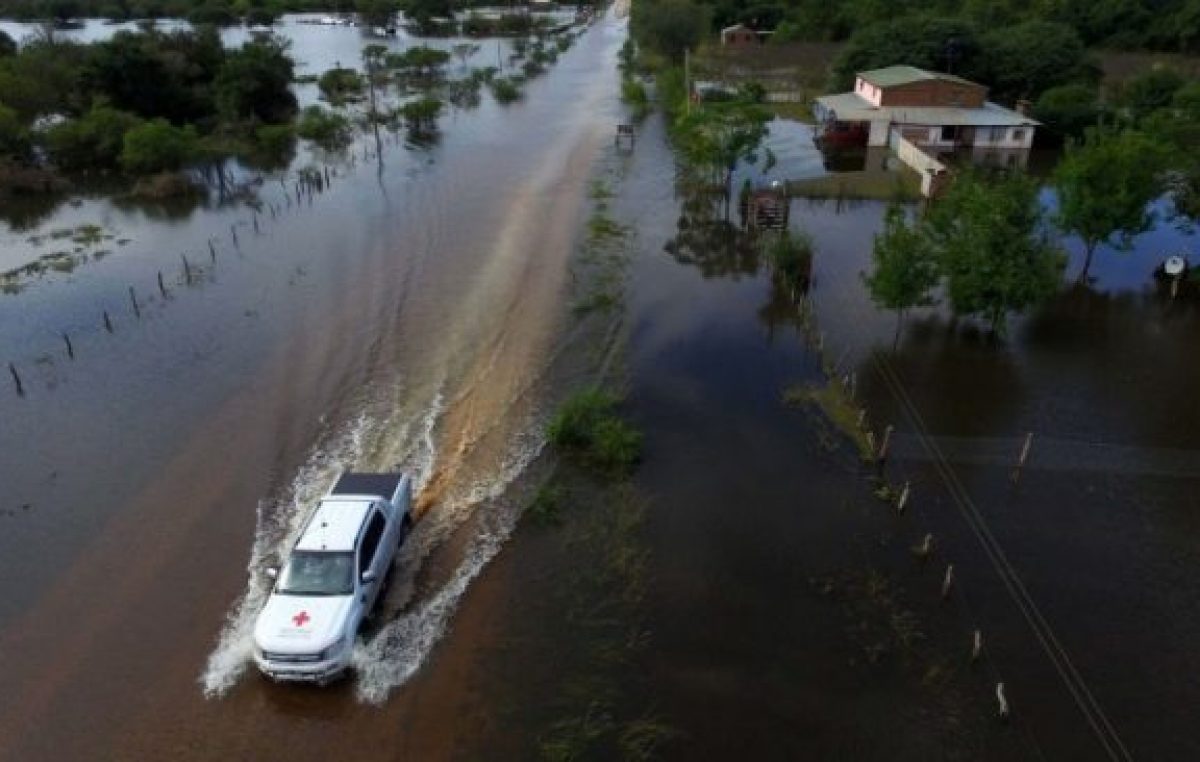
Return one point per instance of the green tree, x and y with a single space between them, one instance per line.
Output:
990 248
422 114
95 140
669 27
158 146
714 138
942 44
419 64
254 83
904 268
340 85
212 13
1105 185
423 12
1068 110
377 12
14 139
1022 61
8 46
327 129
1150 91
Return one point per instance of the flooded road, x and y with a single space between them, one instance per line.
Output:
405 317
417 314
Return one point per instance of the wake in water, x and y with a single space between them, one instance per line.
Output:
277 527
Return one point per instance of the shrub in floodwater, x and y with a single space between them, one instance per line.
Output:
325 128
546 508
587 425
341 85
790 255
505 90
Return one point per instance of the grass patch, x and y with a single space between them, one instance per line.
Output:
587 427
835 403
505 89
859 186
796 111
547 505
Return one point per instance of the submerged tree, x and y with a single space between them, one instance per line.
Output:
988 237
905 269
715 137
1105 186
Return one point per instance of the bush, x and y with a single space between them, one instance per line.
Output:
422 114
340 85
157 146
261 16
546 508
1068 110
275 142
790 254
505 89
14 140
588 427
214 14
325 128
95 140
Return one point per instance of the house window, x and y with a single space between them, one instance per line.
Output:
1018 135
949 132
996 134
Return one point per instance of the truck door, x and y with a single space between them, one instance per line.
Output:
369 555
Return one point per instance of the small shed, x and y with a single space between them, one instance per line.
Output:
739 34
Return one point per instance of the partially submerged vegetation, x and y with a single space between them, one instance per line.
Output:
587 428
126 105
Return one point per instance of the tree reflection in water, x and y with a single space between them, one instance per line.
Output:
719 248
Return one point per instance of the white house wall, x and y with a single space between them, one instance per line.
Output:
879 133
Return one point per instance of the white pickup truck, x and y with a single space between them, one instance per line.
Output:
332 578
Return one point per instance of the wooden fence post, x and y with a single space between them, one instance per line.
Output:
17 380
1016 474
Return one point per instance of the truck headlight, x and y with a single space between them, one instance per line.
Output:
332 650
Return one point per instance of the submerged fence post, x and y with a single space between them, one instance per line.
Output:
1002 700
162 288
17 379
976 645
212 251
923 550
947 581
187 269
70 349
108 326
137 311
1016 474
903 499
883 447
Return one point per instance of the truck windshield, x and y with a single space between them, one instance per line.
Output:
317 573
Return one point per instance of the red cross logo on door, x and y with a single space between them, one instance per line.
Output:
301 618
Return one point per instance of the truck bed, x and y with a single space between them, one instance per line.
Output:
383 485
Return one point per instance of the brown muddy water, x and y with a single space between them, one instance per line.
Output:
417 314
408 316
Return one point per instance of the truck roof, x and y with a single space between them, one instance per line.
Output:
335 525
381 485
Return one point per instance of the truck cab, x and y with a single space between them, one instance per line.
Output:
332 578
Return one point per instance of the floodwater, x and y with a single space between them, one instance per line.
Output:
766 643
408 315
413 314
